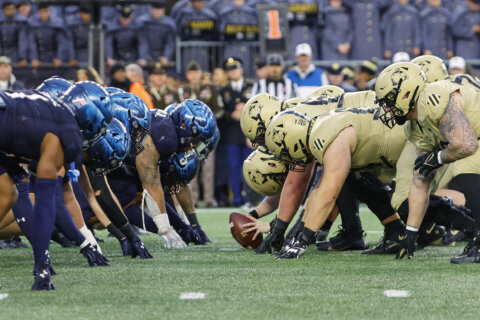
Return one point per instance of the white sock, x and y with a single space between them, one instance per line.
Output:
90 238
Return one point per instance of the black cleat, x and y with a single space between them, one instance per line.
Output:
344 240
321 236
471 253
430 236
452 236
386 245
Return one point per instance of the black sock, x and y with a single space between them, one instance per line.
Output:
395 226
192 218
127 230
327 226
307 236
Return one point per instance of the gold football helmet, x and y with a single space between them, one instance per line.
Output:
397 88
326 91
257 113
263 173
433 67
287 137
293 102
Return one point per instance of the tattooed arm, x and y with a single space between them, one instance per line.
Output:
147 167
455 127
418 195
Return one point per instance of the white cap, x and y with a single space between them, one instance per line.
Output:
303 49
401 56
457 63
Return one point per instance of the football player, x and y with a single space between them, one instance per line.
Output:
445 114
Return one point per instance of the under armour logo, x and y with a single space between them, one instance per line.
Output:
21 220
43 274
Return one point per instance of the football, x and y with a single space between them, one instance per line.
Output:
237 220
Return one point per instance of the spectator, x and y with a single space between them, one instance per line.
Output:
220 78
338 33
335 78
367 41
197 23
88 74
24 8
162 96
457 65
218 6
436 32
348 76
401 25
303 20
207 78
454 5
160 32
466 30
13 28
305 75
7 78
208 95
78 26
134 74
47 38
261 69
234 96
276 83
118 78
239 23
125 39
365 74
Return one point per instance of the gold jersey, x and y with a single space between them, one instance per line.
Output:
378 147
432 102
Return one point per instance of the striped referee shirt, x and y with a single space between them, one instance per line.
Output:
283 89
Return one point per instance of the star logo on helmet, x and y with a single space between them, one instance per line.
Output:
278 136
254 112
397 75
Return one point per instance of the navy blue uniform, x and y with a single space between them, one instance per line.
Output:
163 133
13 35
467 43
126 44
160 36
338 29
78 34
47 40
436 33
27 116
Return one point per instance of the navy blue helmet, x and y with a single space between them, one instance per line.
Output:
55 86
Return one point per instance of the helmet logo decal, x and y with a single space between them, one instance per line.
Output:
397 75
278 136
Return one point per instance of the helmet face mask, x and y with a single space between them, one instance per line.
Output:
397 89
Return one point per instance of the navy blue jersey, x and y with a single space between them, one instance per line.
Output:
125 184
26 118
163 133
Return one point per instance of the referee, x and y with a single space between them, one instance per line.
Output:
276 83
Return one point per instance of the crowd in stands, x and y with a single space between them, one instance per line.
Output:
140 46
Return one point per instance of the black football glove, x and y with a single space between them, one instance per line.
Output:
93 256
202 234
427 162
406 240
275 239
139 249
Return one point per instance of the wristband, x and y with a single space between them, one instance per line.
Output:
254 214
439 157
410 228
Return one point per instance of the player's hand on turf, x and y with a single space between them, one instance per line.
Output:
406 241
125 247
42 278
272 241
293 252
172 240
93 256
428 162
256 225
189 235
139 249
201 233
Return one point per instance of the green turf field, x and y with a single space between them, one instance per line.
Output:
240 284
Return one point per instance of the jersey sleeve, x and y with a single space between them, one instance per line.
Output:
323 134
414 135
433 101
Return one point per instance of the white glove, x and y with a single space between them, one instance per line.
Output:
173 240
162 223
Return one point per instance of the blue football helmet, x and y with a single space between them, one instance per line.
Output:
204 149
108 152
131 109
206 129
113 90
179 169
91 106
55 86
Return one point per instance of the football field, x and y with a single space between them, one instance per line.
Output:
229 282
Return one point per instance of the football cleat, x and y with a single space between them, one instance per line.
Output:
471 255
386 245
344 240
452 236
321 236
430 236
